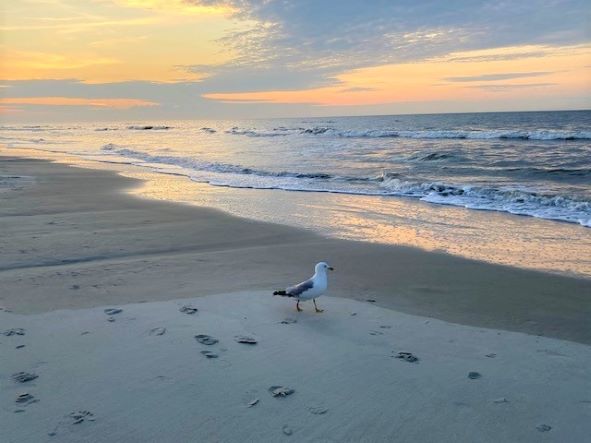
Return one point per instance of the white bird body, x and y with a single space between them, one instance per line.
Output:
319 285
309 289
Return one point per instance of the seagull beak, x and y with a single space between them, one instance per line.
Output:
330 268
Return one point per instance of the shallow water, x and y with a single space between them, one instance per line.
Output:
446 182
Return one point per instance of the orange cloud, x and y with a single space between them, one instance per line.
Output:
505 72
105 41
115 103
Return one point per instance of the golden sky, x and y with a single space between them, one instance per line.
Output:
189 57
110 41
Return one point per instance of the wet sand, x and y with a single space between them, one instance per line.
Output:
74 239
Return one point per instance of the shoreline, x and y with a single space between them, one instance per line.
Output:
493 237
89 243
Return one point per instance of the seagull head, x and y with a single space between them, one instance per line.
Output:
323 267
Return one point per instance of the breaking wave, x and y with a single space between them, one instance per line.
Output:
504 199
540 134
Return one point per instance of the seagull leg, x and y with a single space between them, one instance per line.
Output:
298 306
317 310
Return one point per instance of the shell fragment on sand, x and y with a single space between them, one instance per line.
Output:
287 430
253 402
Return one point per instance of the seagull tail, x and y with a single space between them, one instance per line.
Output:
283 293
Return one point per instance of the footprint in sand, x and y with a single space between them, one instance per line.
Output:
25 399
113 311
24 377
280 391
206 339
188 310
81 416
407 356
14 331
246 340
157 331
500 400
209 354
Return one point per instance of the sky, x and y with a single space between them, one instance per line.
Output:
148 60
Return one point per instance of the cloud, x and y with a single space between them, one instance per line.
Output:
509 86
115 103
323 38
495 77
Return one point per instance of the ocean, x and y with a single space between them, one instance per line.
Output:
392 172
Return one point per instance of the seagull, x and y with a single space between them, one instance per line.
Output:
312 288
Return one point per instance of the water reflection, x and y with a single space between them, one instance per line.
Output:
482 235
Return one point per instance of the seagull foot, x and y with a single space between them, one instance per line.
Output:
316 307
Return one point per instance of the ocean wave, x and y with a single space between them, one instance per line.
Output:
199 165
505 199
560 172
514 201
432 156
35 128
540 134
257 133
148 128
459 134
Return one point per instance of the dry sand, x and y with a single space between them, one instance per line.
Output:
349 387
73 245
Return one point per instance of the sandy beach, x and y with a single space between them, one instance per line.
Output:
74 244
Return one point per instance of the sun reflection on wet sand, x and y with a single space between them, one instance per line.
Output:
494 237
482 235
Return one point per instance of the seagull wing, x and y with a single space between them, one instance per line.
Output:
300 288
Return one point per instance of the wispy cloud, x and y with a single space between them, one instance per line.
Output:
495 77
509 86
324 38
115 103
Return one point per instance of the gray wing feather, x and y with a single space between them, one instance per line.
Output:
300 288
